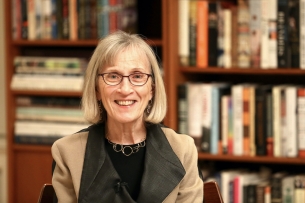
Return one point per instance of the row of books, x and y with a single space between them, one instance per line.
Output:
264 34
241 186
244 119
72 19
48 73
42 120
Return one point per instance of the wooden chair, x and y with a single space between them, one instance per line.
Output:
46 194
211 193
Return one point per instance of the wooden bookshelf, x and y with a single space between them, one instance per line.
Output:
30 166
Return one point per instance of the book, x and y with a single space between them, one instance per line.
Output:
182 108
206 118
246 120
226 177
276 186
47 82
183 29
202 34
272 33
269 126
300 119
220 37
252 110
299 188
234 35
227 42
195 113
288 189
193 32
31 19
255 31
294 33
243 43
237 101
302 34
218 90
261 93
36 132
212 34
73 20
282 37
290 140
224 123
265 4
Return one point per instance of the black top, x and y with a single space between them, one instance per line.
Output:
129 168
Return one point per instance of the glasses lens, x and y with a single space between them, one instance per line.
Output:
138 78
112 78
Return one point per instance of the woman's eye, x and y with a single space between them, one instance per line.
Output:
137 76
113 76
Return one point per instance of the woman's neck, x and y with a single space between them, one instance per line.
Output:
126 134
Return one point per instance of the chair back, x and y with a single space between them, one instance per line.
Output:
211 193
46 194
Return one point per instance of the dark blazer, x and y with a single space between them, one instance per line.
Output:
84 172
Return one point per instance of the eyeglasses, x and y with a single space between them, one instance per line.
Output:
136 79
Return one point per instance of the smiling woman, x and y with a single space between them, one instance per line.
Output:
120 156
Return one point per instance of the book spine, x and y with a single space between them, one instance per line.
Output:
252 120
264 34
193 32
255 30
269 130
237 96
260 120
93 19
212 34
24 19
182 108
73 21
234 35
220 37
224 122
246 121
215 119
54 22
206 117
31 19
227 59
294 33
282 31
230 125
301 118
272 35
243 34
291 122
202 34
38 19
183 25
65 19
87 20
59 19
302 34
46 18
276 100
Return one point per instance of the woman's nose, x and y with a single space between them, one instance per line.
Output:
125 86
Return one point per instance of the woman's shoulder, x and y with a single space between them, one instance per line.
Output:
174 137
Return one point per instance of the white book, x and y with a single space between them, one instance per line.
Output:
184 40
276 105
31 19
264 34
36 128
47 82
300 120
237 97
291 122
299 189
227 42
194 112
206 119
302 34
46 29
272 33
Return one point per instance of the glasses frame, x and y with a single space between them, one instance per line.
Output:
125 76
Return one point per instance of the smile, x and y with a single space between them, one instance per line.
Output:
125 103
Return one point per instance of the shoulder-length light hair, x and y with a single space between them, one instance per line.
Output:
104 55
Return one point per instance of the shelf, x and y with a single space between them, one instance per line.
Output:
46 93
250 159
71 43
32 148
241 71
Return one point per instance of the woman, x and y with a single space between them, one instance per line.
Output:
126 155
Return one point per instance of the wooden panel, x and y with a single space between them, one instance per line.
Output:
31 171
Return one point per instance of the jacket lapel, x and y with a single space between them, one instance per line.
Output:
163 170
99 177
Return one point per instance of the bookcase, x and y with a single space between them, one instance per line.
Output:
29 166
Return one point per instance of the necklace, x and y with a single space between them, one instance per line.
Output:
127 150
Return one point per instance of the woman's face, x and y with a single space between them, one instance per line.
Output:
126 103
